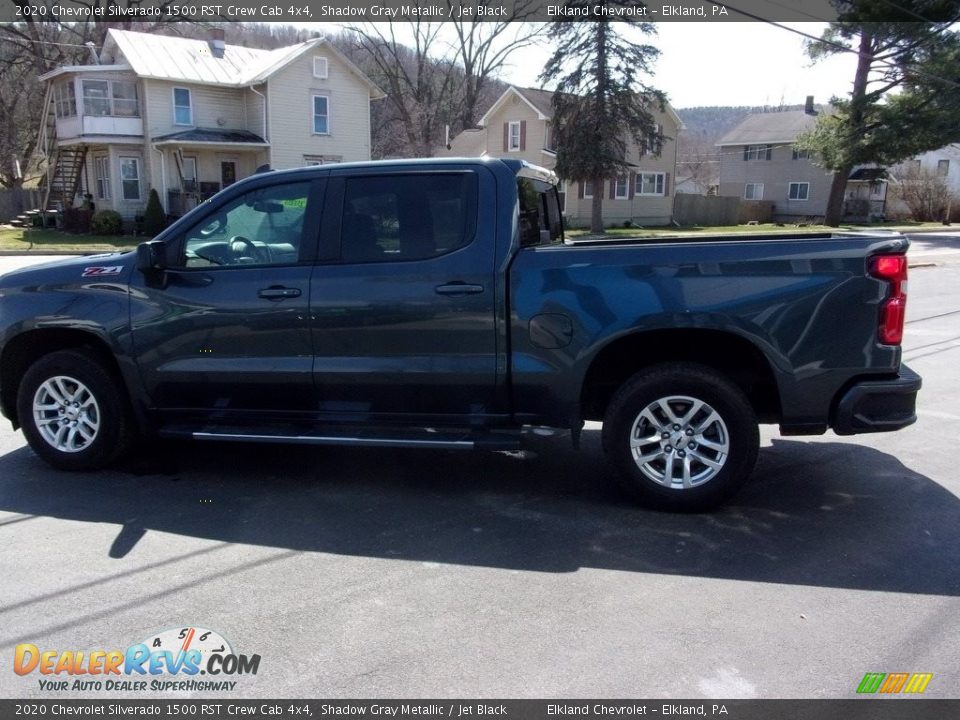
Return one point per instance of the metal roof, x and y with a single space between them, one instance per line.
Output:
165 57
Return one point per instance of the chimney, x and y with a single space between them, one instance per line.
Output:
217 44
93 52
808 108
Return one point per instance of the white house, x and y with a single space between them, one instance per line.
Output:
190 117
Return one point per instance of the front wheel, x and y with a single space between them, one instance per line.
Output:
681 437
71 410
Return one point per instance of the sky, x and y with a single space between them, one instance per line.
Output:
725 63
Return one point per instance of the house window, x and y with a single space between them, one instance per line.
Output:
513 143
321 115
182 107
320 67
801 154
189 180
101 169
650 183
551 140
753 191
622 188
943 167
656 140
123 94
130 178
798 191
65 99
587 189
757 152
309 160
96 97
116 98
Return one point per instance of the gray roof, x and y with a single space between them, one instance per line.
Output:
212 135
542 100
772 127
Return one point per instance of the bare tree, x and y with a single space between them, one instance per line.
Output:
28 49
421 84
699 163
924 192
483 48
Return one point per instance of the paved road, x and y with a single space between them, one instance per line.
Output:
405 573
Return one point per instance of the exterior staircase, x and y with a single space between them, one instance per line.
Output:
64 174
62 181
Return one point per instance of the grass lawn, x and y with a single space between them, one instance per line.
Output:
27 239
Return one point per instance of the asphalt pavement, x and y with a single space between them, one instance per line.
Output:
376 573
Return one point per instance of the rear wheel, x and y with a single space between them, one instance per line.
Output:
72 411
681 436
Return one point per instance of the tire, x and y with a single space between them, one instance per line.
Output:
682 437
73 413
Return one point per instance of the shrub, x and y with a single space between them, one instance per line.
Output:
106 222
154 219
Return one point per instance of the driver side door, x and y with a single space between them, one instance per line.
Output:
227 330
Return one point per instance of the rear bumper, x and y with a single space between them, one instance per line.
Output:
878 405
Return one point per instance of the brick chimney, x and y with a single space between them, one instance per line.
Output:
217 43
808 107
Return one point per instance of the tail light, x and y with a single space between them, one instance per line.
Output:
893 269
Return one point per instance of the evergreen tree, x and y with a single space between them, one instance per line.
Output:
154 219
601 100
895 52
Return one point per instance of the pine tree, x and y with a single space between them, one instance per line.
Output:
895 52
154 219
601 100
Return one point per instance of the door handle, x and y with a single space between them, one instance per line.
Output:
458 288
278 293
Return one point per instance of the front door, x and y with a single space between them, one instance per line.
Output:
229 329
228 172
403 315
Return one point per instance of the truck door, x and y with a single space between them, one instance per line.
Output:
228 328
403 315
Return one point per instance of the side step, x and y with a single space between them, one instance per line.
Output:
432 438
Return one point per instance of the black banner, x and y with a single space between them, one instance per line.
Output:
345 11
217 709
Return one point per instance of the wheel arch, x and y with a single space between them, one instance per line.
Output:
22 350
733 355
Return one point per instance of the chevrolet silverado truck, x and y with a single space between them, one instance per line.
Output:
437 304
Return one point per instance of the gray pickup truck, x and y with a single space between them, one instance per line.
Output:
436 304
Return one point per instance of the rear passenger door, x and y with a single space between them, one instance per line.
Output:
402 305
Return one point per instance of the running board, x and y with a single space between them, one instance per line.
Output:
439 439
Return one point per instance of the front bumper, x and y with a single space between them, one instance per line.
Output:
878 405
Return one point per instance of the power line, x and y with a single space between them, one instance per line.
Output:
839 46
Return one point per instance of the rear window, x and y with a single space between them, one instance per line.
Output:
407 217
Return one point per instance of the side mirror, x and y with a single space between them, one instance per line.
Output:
151 256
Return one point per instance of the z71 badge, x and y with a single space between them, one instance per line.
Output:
100 271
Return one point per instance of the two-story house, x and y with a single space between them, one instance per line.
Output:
759 160
519 125
190 117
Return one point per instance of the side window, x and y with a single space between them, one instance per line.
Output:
407 217
261 227
540 222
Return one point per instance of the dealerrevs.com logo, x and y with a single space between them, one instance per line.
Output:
171 660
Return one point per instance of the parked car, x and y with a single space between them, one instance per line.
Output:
437 304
